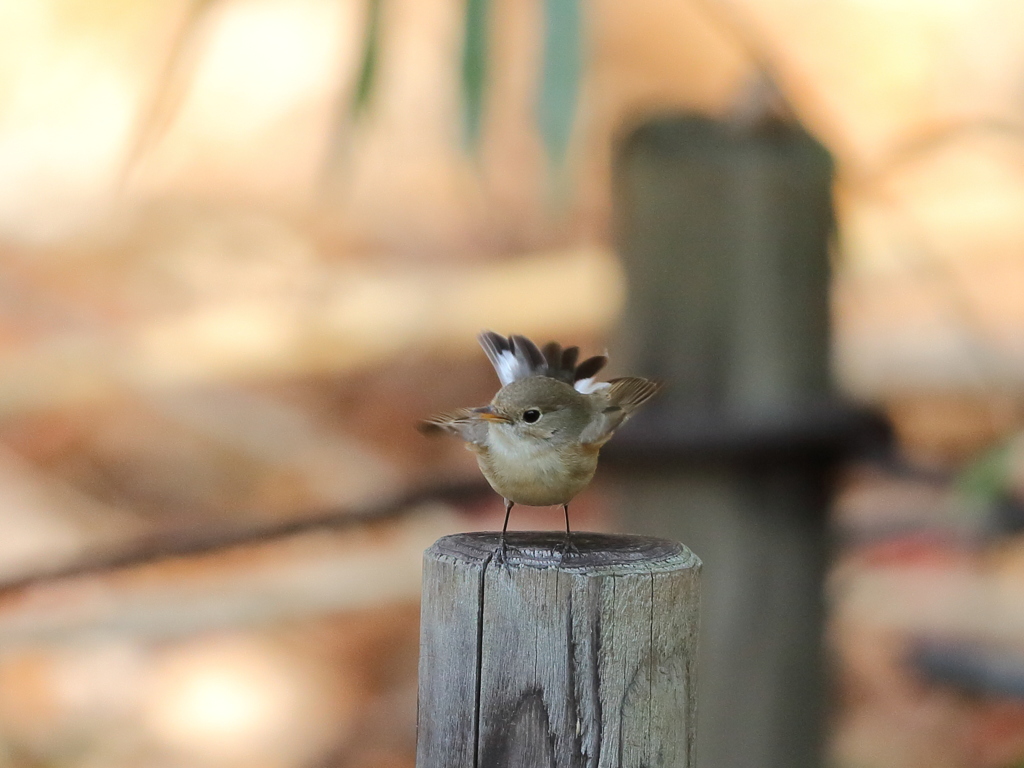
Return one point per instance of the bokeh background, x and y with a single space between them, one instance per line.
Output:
246 244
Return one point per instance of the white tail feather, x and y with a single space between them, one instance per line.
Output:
589 386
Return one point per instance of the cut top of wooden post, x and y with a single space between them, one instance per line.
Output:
598 554
581 659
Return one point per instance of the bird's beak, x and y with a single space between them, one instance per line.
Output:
487 414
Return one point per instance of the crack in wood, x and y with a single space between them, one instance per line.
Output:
479 656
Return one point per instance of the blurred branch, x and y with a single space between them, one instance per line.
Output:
933 140
743 31
923 252
294 579
170 86
922 256
163 545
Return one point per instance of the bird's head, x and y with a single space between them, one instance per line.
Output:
539 408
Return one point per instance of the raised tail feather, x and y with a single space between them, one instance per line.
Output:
516 357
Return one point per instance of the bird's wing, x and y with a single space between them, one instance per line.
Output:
516 357
615 404
464 422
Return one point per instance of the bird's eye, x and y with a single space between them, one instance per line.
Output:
531 416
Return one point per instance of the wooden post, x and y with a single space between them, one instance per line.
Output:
724 232
544 661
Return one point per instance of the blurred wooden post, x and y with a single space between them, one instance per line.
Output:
537 663
724 232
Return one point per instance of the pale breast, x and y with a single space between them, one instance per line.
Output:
533 472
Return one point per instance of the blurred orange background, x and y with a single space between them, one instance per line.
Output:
227 295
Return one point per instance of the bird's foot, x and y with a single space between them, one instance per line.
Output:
500 556
567 549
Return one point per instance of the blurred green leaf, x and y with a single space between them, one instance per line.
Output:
561 76
474 69
371 51
986 478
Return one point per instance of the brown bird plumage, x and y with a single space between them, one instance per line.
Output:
538 440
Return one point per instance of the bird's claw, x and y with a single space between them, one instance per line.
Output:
501 553
567 549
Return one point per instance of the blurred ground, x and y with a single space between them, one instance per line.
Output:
224 303
926 628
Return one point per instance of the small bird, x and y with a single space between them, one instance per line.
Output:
537 442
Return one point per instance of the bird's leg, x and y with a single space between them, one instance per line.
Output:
502 551
567 544
508 511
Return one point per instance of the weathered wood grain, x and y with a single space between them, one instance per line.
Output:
551 661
